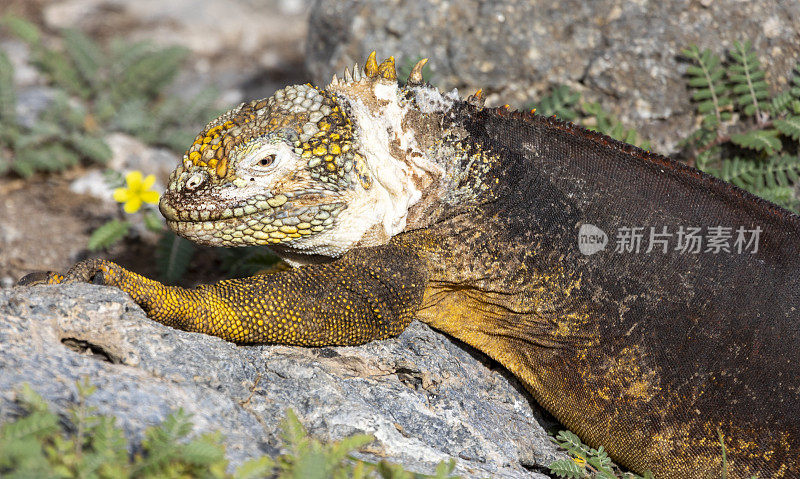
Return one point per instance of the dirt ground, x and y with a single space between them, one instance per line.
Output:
45 226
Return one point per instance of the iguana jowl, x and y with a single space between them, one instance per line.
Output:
410 203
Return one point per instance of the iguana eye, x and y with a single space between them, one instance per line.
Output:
266 161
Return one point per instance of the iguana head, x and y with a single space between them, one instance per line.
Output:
311 170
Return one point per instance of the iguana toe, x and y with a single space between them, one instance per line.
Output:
40 277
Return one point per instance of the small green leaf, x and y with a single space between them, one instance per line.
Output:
789 126
93 148
569 440
8 98
566 468
759 140
205 450
86 55
173 255
255 468
152 221
23 29
108 234
292 428
561 102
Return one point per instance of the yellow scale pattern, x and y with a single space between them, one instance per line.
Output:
352 301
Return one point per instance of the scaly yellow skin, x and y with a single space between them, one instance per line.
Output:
370 294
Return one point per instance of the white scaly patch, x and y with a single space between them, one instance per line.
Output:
400 170
431 100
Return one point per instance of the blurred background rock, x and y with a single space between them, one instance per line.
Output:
245 48
624 54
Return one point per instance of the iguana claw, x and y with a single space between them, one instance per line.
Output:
40 277
87 271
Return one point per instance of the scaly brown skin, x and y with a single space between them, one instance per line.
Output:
656 356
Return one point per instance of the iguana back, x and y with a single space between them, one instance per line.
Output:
655 355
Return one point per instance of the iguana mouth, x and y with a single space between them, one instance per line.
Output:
207 211
260 220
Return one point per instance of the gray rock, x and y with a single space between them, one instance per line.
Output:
208 28
18 52
32 101
626 54
424 397
232 43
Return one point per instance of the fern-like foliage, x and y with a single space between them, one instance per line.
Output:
92 446
747 79
562 102
586 462
57 141
707 77
759 151
98 90
599 120
8 98
786 106
108 234
759 140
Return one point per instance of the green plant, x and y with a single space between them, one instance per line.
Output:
173 253
119 88
745 136
562 101
58 140
243 262
88 445
133 191
586 462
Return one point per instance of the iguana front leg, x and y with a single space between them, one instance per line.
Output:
368 294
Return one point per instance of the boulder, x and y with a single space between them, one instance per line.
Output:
624 54
424 397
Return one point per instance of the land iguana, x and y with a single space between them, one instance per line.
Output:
398 201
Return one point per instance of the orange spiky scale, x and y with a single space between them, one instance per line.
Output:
387 70
371 67
415 77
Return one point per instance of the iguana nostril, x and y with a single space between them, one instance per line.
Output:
194 181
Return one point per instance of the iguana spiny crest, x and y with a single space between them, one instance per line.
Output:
312 170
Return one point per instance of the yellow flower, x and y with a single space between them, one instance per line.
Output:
138 191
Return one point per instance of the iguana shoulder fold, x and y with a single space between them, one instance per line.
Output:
411 203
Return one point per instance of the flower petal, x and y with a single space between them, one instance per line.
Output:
134 180
149 197
133 205
121 195
148 181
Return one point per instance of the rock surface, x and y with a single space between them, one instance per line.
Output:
626 54
422 396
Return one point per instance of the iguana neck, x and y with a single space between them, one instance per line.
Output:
412 147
